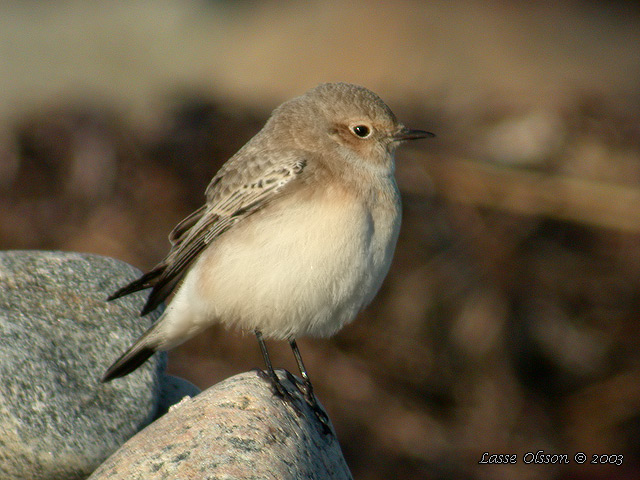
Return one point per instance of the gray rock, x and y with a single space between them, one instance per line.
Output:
57 336
237 429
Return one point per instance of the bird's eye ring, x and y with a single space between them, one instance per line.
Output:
361 131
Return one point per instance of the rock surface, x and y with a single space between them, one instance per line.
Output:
58 335
237 429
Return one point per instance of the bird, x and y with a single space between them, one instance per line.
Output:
295 237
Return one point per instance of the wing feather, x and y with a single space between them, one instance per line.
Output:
232 195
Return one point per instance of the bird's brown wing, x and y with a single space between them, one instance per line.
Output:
232 195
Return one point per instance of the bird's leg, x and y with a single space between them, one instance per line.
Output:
307 388
270 373
271 376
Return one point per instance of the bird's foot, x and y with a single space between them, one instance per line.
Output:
279 390
306 389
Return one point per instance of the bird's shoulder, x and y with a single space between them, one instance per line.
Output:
255 173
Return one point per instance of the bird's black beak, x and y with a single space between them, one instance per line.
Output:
407 134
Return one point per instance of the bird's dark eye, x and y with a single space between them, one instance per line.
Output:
361 131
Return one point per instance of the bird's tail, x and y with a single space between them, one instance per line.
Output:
147 280
130 360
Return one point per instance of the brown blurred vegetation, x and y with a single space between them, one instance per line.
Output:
508 322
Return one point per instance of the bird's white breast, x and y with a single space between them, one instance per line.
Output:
302 266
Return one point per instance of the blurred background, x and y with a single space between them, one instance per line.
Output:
508 322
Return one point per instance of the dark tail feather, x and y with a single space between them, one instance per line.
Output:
145 281
128 362
160 292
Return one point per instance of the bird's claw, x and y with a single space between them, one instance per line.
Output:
305 388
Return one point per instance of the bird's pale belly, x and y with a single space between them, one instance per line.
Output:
304 272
